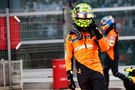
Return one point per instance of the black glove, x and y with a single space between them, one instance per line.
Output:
71 83
94 27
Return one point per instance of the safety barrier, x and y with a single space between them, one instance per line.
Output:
16 69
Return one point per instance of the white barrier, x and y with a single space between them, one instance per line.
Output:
17 81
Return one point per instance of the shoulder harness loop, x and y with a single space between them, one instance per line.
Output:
76 32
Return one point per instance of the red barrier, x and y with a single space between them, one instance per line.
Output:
59 74
14 32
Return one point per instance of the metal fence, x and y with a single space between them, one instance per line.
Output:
16 74
38 37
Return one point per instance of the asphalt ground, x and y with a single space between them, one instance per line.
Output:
42 79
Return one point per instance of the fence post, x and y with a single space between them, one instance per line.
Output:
21 67
68 20
4 74
9 48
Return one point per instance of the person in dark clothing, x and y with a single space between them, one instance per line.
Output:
112 55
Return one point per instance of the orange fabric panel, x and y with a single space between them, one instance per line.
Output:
85 51
103 44
68 53
133 79
111 39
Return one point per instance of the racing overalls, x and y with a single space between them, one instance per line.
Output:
89 68
111 59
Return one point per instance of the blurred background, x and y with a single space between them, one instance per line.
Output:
38 37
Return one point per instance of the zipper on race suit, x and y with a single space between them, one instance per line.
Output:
85 42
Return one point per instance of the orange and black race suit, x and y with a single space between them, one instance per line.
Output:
111 59
88 64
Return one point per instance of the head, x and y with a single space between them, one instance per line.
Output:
82 15
107 22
